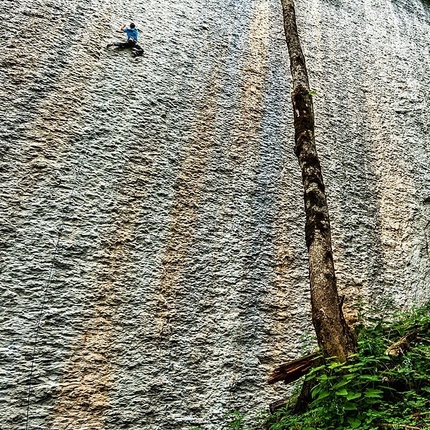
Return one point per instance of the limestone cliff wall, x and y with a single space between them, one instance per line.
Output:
153 266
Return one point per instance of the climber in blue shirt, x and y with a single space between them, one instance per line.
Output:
132 36
131 32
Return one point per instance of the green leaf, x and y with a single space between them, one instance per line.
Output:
342 392
323 395
373 378
373 393
340 384
354 423
318 368
335 365
348 406
324 378
316 390
352 396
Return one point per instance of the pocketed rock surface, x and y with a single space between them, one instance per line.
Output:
153 264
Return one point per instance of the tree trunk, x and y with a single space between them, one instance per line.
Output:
333 334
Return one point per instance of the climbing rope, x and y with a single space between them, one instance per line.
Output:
46 288
39 321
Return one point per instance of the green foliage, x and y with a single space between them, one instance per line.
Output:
236 421
372 390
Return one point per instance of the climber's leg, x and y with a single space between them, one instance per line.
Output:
121 45
137 50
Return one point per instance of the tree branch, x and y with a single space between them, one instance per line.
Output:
295 369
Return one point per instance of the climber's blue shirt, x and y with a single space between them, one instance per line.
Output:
131 33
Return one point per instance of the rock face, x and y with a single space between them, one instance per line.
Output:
153 266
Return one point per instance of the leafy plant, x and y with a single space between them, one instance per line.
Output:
236 421
373 390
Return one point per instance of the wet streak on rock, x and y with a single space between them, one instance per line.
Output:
184 213
32 170
83 398
246 292
345 159
246 134
244 158
396 169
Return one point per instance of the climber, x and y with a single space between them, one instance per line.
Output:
132 35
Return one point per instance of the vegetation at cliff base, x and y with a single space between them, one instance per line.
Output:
385 385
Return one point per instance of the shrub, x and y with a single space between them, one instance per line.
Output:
373 390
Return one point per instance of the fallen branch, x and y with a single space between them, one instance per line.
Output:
295 369
403 344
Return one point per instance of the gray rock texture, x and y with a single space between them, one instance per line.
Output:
153 265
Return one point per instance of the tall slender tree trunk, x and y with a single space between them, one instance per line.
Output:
333 334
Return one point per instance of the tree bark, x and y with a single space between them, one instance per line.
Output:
333 334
